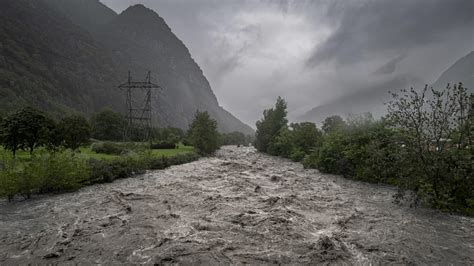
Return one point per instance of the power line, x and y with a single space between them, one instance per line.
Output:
138 118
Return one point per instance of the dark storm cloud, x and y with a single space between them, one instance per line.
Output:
393 26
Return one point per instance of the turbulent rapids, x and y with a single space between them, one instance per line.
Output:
238 207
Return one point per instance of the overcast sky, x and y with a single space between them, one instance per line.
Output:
311 52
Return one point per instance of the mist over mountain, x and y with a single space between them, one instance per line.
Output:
373 98
66 56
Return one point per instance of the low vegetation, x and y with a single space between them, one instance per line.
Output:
423 146
41 155
65 170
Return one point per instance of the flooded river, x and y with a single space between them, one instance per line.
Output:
238 207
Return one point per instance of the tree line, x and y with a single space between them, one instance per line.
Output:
423 145
29 128
58 167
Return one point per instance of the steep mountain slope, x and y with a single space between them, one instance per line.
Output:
70 55
48 62
141 39
88 14
461 71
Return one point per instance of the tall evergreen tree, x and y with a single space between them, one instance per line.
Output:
274 119
203 133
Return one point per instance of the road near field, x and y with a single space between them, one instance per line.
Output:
238 207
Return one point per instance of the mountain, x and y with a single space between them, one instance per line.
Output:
370 99
142 33
49 62
70 55
88 14
373 98
461 71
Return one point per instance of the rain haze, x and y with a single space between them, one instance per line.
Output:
313 52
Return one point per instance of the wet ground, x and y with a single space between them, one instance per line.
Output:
239 207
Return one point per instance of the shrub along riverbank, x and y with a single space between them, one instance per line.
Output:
42 155
424 146
64 170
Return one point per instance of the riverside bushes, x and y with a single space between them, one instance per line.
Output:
43 173
108 171
164 144
109 148
424 146
67 171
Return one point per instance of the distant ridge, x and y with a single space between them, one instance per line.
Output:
373 98
461 71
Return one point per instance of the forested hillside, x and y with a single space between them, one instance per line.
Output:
67 56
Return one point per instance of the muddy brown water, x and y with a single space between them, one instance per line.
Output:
238 207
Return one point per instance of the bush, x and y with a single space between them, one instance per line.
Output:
108 148
163 162
164 145
311 160
9 177
297 155
331 157
183 158
60 171
437 128
108 171
282 144
306 136
43 173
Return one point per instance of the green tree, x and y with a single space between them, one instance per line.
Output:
268 128
333 123
203 133
74 131
306 136
108 125
27 128
432 123
9 134
233 138
2 118
282 144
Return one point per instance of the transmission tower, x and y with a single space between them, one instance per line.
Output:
138 113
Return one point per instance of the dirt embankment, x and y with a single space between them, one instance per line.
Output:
240 207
